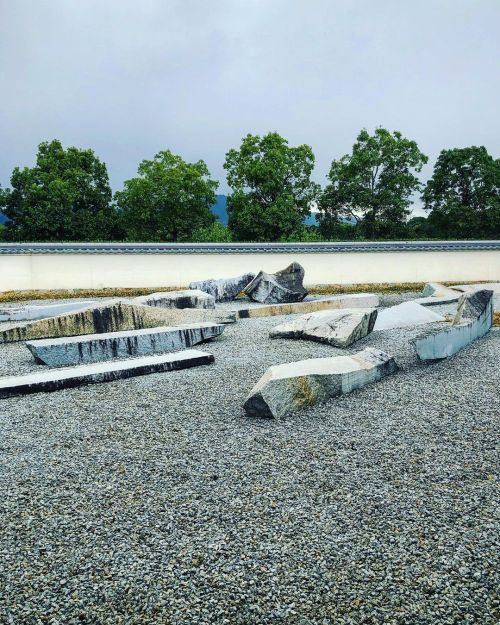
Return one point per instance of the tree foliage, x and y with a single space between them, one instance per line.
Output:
271 188
373 184
168 201
65 196
463 194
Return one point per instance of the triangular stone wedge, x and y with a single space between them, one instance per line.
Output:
298 385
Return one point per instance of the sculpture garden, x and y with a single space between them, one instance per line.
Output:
246 457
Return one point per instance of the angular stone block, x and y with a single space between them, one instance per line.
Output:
189 298
358 300
30 313
473 320
114 316
275 288
339 328
297 385
74 350
404 315
69 377
224 289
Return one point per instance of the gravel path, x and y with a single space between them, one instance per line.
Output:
154 500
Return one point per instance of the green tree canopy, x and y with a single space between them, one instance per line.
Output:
271 188
169 200
65 196
463 194
373 184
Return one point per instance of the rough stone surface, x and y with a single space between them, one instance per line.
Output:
466 288
473 320
298 385
30 313
405 315
276 288
189 298
98 347
224 289
114 316
340 328
154 501
69 377
358 300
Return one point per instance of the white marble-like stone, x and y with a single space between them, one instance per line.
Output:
404 315
473 320
57 379
339 328
74 350
298 385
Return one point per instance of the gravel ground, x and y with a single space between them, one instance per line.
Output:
154 500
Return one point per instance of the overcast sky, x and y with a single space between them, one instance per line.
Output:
131 77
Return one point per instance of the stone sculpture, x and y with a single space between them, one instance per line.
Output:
224 289
282 286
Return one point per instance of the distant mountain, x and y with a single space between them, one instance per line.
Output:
3 218
219 209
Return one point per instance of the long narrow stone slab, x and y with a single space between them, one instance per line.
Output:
74 350
473 320
404 315
31 313
339 328
298 385
435 293
188 298
357 300
57 379
114 316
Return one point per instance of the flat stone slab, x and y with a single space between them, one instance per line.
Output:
69 377
30 313
276 288
115 316
405 315
357 300
189 298
467 288
339 328
224 289
473 320
435 293
298 385
74 350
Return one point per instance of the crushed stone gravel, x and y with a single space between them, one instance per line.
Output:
154 500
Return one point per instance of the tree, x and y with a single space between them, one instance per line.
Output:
168 201
65 196
374 184
215 233
463 194
272 188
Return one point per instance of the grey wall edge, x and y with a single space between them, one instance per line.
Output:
245 248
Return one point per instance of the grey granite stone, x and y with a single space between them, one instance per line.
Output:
69 377
224 289
88 348
339 328
298 385
276 288
188 298
31 313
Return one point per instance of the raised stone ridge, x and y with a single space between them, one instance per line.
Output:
88 348
115 316
188 298
356 300
57 379
30 313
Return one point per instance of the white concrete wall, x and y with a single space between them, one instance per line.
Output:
92 271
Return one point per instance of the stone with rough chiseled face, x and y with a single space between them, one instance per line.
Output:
188 298
275 288
298 385
224 289
339 328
